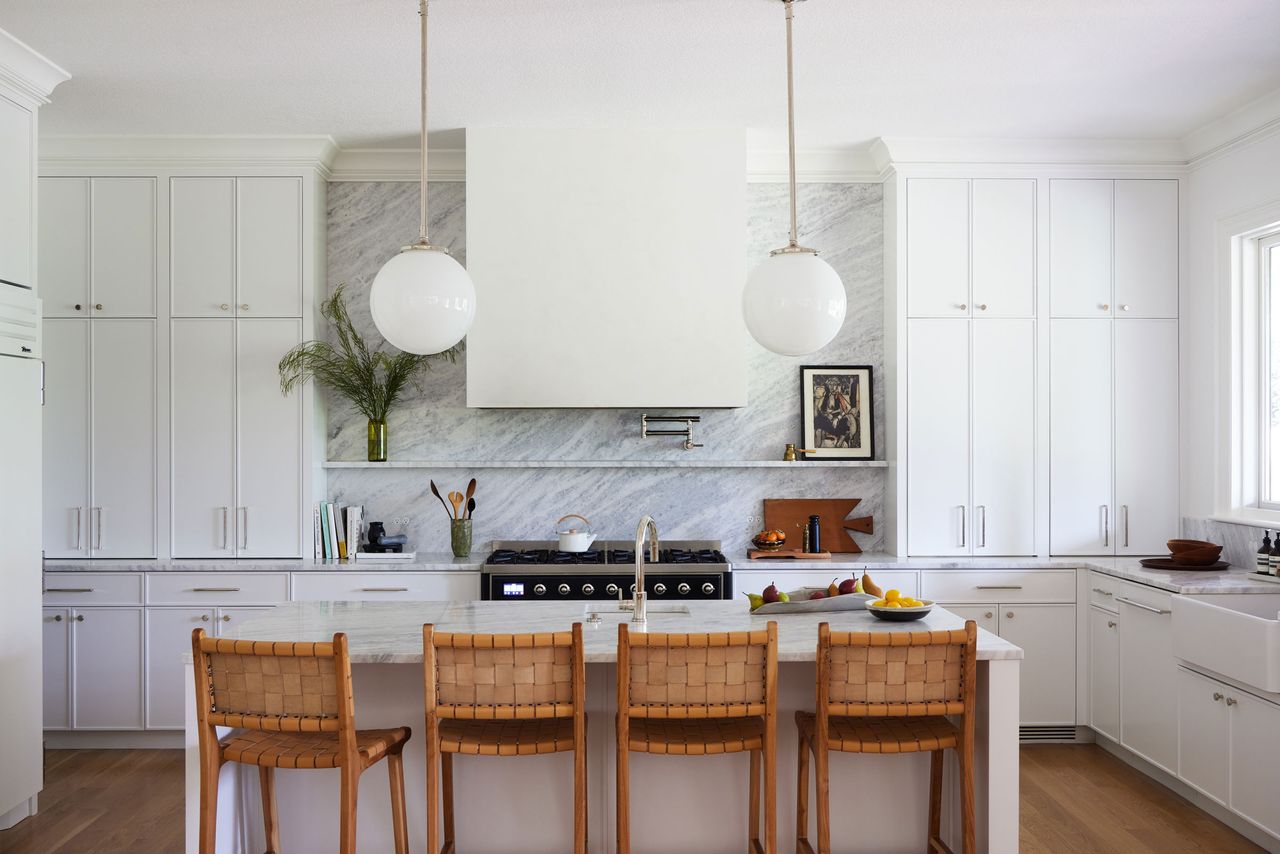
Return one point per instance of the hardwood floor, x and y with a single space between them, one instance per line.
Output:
1076 799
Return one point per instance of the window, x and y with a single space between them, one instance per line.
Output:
1268 273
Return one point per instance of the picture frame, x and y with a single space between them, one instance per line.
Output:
837 412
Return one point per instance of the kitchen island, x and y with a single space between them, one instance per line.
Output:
879 803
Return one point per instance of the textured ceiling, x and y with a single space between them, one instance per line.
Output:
865 68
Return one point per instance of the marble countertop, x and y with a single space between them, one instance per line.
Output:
424 562
391 632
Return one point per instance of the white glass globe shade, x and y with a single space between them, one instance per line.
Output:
422 301
794 303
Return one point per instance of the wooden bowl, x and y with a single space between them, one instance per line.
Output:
1176 546
1202 556
766 546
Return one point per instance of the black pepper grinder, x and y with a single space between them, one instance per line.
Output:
815 535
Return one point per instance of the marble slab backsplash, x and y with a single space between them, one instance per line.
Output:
369 222
1240 542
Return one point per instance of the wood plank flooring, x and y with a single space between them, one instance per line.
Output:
1076 799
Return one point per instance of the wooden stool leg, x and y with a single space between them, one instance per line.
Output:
350 790
446 785
753 802
770 793
623 809
802 794
579 799
935 798
433 793
824 799
395 773
209 771
965 764
267 778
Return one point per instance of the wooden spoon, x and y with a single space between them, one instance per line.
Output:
437 494
471 488
455 498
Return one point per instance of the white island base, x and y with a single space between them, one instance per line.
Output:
678 804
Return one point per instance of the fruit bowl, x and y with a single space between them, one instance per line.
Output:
801 603
769 545
900 614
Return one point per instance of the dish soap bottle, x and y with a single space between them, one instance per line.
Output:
1264 553
1273 562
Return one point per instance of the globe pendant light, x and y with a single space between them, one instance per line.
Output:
794 302
422 300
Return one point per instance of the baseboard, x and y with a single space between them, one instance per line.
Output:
113 740
21 812
1239 825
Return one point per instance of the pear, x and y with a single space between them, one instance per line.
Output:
833 589
869 586
849 586
784 596
755 599
771 594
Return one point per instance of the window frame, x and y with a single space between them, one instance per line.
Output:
1267 275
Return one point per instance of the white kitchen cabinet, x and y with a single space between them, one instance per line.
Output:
1080 437
64 246
202 246
17 165
122 429
1004 247
1104 672
229 618
937 247
168 638
1148 675
1146 435
438 586
56 654
1047 635
986 616
1255 759
269 247
938 437
106 654
1204 735
66 438
122 249
1003 449
1080 235
1146 248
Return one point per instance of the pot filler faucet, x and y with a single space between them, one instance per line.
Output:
650 527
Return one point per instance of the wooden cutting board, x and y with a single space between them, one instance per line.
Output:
791 515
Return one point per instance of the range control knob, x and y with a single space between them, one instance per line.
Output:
588 589
659 589
539 590
633 588
613 589
564 589
684 588
709 588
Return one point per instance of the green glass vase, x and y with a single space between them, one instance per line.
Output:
460 537
377 441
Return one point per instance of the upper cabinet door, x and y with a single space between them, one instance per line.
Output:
1080 247
269 468
1004 247
123 247
17 185
937 247
938 436
1081 521
1146 377
269 247
202 251
123 507
66 438
1146 240
64 246
1004 421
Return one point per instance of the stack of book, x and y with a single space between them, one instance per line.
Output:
338 531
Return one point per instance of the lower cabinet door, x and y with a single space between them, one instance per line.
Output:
1104 672
1203 725
440 586
1255 760
231 618
57 668
1148 672
106 653
986 616
1047 635
168 639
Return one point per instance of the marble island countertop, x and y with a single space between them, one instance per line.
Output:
391 632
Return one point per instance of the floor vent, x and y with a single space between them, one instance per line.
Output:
1065 733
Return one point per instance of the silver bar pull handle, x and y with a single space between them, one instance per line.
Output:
215 589
1102 592
999 586
68 590
964 523
1125 509
98 534
1106 524
982 527
224 527
1143 607
244 530
384 589
79 525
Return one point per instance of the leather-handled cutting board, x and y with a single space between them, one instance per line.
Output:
791 515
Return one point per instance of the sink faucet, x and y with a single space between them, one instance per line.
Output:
650 527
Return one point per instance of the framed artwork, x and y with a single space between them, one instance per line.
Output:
836 412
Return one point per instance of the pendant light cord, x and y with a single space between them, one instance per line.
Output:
422 190
791 123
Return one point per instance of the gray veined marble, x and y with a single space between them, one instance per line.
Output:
369 222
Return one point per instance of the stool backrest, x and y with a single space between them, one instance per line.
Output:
273 685
718 675
897 674
503 677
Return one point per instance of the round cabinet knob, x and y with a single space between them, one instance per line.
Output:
1231 701
1124 308
244 306
683 589
98 306
612 589
79 307
588 589
563 589
204 618
225 307
1217 696
1106 306
57 618
963 306
226 618
539 589
79 618
1111 624
708 588
988 615
982 307
659 588
1008 615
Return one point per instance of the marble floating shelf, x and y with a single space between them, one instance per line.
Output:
602 464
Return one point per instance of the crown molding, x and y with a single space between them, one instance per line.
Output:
915 151
63 153
398 164
814 166
24 71
1255 121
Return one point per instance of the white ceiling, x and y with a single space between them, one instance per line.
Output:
865 68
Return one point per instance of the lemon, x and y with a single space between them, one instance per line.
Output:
893 604
879 603
910 603
892 596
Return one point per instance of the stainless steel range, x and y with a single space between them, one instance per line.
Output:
533 570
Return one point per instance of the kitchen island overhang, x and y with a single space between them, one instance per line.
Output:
678 803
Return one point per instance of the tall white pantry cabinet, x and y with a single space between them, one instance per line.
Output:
170 297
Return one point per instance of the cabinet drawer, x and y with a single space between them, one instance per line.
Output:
1102 590
93 588
1144 597
217 588
374 586
1006 585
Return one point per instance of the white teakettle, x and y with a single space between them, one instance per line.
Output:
572 538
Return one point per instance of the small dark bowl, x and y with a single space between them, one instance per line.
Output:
1178 546
898 615
1204 556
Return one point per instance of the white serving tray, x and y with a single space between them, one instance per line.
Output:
801 603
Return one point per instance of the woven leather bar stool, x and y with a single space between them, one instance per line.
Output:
891 692
502 695
289 706
701 694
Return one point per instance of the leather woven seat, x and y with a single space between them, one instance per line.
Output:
696 736
306 750
883 735
506 738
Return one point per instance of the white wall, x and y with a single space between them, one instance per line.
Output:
1243 179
